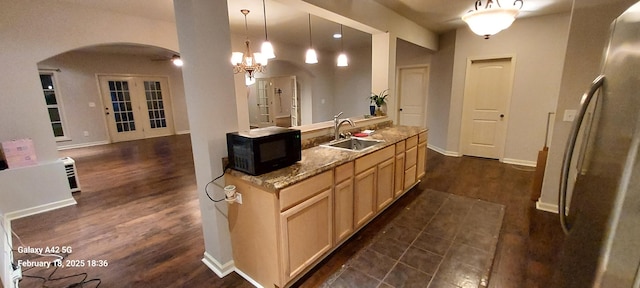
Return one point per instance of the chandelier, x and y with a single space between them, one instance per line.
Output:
491 19
248 62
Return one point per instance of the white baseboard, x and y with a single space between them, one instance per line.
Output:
220 269
553 208
443 152
519 162
249 279
183 132
40 209
82 145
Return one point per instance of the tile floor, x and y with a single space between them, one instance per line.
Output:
438 240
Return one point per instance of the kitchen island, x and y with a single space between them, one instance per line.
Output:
291 218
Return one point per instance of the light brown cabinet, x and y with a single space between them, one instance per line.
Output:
411 157
422 155
306 233
364 193
384 188
343 202
399 169
373 184
279 235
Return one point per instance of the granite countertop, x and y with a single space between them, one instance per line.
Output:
319 159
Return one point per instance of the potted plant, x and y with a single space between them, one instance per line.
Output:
378 100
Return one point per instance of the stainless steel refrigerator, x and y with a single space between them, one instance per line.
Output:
602 247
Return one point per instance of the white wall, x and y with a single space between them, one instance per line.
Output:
538 45
589 33
77 86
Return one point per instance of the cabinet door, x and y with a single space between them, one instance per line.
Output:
364 196
411 156
343 209
306 233
399 181
385 188
421 166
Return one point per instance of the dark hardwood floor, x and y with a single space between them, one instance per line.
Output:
138 210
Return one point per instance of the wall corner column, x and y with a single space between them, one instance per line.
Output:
205 46
383 70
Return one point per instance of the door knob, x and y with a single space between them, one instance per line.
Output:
400 109
501 115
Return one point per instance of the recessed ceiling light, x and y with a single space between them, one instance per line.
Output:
337 36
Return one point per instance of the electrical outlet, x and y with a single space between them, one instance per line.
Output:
85 133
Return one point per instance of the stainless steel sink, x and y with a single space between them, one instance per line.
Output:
356 144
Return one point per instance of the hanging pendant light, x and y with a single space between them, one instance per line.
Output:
311 57
267 48
342 58
248 62
492 18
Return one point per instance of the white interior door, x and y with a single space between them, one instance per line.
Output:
136 107
295 109
486 98
412 93
265 102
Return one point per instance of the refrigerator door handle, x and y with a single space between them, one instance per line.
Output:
568 151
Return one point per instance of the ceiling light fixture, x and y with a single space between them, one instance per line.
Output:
175 59
248 62
267 48
311 57
492 18
342 58
337 35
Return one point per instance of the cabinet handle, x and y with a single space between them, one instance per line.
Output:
568 151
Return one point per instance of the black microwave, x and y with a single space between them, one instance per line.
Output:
263 150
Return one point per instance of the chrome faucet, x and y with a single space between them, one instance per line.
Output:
337 123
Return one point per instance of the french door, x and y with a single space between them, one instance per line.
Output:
136 107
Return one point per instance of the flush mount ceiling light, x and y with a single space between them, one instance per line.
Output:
267 48
311 57
248 62
491 19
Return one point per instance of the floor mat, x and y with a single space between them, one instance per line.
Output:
438 240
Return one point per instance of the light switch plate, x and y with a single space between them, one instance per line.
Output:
569 115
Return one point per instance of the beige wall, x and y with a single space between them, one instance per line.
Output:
538 45
77 86
589 32
440 79
28 38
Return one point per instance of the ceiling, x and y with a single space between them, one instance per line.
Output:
288 25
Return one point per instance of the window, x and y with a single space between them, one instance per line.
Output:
54 108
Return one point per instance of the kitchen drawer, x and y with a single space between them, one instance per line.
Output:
375 158
411 157
400 147
344 171
304 190
422 137
409 177
412 141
